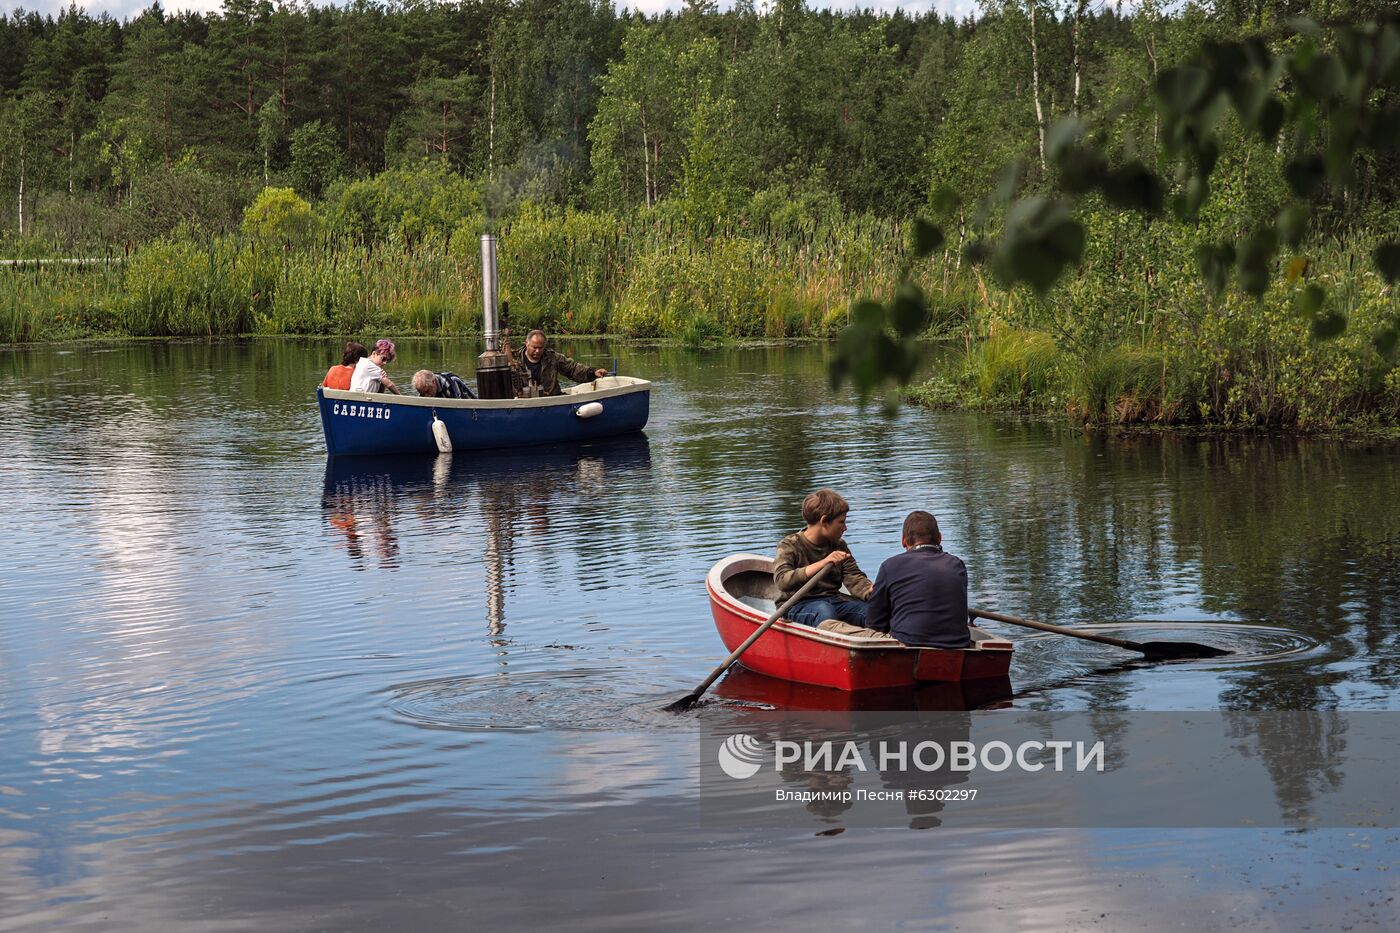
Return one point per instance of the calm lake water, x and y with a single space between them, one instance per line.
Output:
241 687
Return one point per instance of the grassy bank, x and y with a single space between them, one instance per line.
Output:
571 272
1133 338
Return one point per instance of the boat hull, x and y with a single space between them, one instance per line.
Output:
806 655
364 423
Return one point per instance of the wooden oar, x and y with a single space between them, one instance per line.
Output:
687 701
1154 650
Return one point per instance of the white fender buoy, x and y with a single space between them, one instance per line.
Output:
444 440
590 410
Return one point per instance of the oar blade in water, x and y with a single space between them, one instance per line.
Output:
1179 650
683 704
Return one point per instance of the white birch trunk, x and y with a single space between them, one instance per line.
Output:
646 159
1078 61
21 188
1035 83
491 128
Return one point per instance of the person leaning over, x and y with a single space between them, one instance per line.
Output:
369 372
802 553
921 595
338 377
441 385
536 371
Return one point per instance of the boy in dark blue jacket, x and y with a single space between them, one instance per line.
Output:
920 596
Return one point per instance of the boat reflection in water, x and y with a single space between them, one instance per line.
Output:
469 504
867 717
743 685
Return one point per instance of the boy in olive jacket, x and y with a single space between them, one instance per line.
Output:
803 553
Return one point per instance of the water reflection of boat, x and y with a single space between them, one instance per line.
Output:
364 497
741 598
408 473
744 685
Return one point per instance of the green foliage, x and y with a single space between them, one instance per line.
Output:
1016 366
702 332
409 204
317 158
278 217
726 281
792 210
175 288
1202 196
1124 385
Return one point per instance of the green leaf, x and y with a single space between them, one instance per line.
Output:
1207 154
1253 259
1215 262
1293 223
1041 240
927 238
945 200
868 314
1386 341
1183 89
1387 260
1304 25
1197 190
1304 174
1061 138
1009 180
909 311
1328 326
1324 76
1135 187
1383 129
1388 53
1082 170
1228 60
977 251
1270 119
1310 300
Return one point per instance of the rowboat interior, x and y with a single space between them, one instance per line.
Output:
755 588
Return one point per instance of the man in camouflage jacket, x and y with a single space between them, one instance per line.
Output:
536 370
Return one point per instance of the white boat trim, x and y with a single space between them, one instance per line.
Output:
606 387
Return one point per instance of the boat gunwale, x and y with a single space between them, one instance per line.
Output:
574 395
738 563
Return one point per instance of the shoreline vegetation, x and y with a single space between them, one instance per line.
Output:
1133 339
702 177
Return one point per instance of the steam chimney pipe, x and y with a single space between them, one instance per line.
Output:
489 293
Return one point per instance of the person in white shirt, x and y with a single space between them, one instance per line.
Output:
369 375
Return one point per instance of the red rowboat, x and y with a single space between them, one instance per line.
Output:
742 596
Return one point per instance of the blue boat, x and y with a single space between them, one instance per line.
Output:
358 423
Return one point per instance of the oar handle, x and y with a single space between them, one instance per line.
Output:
1057 629
777 614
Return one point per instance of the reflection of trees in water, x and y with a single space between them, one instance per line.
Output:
1299 532
1301 751
733 396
